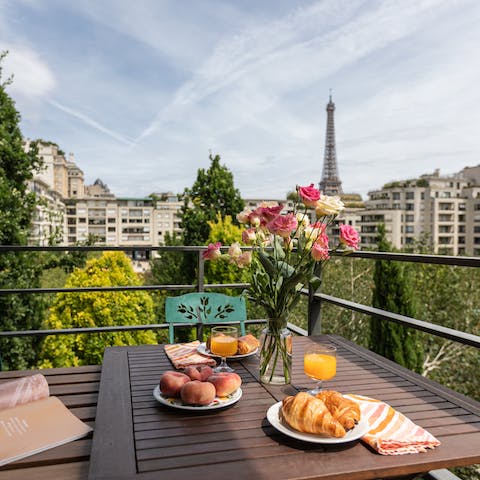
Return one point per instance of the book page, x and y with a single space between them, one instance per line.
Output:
37 426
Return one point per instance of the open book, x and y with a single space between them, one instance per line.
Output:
31 421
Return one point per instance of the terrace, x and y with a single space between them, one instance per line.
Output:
457 425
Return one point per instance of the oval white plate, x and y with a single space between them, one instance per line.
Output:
354 434
219 402
202 348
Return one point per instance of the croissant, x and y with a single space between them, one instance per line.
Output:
308 414
344 410
246 344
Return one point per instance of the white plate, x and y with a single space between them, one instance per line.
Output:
219 402
354 434
202 348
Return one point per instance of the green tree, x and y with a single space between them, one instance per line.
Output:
90 309
393 292
213 192
17 207
225 231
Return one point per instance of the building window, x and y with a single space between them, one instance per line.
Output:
112 220
409 195
111 229
409 206
409 218
409 229
82 220
396 196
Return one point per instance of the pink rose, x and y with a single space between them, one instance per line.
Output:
319 252
349 236
309 195
249 236
270 212
212 252
283 225
322 239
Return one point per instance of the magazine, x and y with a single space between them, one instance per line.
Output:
32 421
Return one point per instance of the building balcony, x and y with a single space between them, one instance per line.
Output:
314 327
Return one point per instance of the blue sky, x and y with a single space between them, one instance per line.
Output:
141 92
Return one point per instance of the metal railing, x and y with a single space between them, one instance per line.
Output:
314 307
315 298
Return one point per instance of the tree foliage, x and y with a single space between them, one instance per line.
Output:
393 292
90 309
212 193
17 206
225 231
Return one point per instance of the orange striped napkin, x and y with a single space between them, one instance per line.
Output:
391 432
184 354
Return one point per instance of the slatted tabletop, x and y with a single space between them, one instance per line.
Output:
136 437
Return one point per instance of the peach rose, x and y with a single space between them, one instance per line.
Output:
319 252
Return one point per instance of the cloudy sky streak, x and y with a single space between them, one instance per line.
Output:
142 92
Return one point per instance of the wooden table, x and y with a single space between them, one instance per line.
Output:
136 437
78 389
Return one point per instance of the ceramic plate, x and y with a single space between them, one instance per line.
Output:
354 434
202 348
219 402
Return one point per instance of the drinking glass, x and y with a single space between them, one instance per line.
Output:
320 363
224 342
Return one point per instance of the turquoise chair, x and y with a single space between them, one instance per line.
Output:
204 309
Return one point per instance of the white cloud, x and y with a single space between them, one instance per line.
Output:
32 75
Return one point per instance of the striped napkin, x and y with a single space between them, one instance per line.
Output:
184 354
391 432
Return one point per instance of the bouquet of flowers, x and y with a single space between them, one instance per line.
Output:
287 251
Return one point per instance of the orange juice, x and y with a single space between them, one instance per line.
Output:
224 345
320 366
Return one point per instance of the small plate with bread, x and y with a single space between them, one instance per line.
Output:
308 418
247 345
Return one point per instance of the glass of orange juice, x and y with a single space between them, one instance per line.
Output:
320 363
224 343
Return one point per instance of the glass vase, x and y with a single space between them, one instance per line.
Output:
276 353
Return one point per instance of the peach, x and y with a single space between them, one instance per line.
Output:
171 383
225 383
205 372
197 393
193 373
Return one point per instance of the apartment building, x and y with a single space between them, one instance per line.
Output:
444 211
76 212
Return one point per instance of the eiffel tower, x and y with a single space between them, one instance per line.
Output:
330 183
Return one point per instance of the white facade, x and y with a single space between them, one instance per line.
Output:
440 210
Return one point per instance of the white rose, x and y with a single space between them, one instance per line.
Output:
327 205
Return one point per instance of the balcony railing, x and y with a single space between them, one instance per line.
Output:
315 299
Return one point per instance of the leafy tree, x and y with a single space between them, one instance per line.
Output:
17 206
225 231
393 292
90 309
213 192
